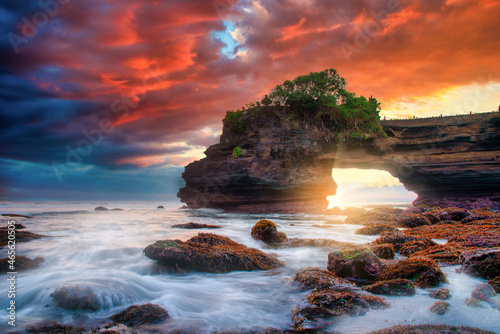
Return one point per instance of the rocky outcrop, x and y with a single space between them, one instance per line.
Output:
287 166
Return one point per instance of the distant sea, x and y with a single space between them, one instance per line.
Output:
103 250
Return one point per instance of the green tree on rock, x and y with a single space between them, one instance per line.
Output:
266 101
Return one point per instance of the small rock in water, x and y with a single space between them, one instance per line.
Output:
472 302
440 307
265 230
395 287
442 294
484 263
483 292
116 209
160 207
195 226
375 229
16 226
137 315
76 297
318 279
356 265
101 208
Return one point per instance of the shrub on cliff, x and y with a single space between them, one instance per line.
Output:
321 98
237 152
232 121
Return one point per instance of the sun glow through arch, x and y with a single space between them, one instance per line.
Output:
367 186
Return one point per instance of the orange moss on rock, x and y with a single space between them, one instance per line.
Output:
395 287
411 247
424 272
443 254
209 252
383 251
374 218
414 220
398 239
318 279
375 229
453 214
266 230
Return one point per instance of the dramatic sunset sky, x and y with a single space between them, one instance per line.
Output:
149 81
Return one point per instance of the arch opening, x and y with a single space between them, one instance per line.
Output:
358 187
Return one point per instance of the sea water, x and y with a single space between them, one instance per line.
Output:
104 250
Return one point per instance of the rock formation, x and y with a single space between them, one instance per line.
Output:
286 166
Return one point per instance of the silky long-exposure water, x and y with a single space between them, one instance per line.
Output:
103 250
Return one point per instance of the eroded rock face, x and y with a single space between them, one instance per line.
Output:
484 263
284 167
211 253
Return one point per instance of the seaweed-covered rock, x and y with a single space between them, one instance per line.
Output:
480 214
383 251
373 218
76 297
318 279
414 220
22 263
495 283
484 263
357 264
440 307
21 236
473 303
331 303
411 247
454 214
398 239
442 294
195 226
481 240
430 328
395 287
375 229
483 292
431 217
443 254
101 208
424 272
211 253
265 230
137 315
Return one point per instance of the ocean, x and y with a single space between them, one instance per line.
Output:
104 251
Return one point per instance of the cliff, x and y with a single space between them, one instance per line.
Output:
286 166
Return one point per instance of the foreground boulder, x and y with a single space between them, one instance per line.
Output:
265 230
484 263
358 265
331 303
395 287
317 279
430 328
22 263
424 272
76 297
137 315
210 253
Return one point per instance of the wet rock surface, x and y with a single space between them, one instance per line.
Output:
395 287
359 265
76 297
137 315
211 253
